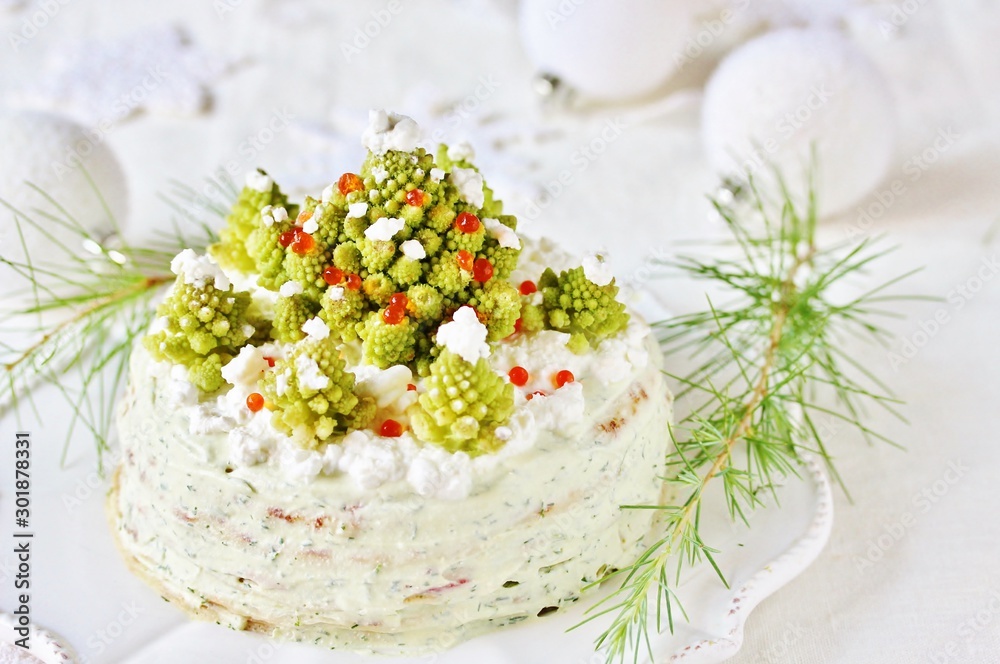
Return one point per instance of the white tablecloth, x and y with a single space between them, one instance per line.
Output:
912 572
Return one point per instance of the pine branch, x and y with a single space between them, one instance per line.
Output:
769 351
85 305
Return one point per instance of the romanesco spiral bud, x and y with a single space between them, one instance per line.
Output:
577 305
463 405
244 217
385 344
312 393
198 321
290 314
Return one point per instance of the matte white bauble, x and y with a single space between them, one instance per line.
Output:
55 154
786 94
608 50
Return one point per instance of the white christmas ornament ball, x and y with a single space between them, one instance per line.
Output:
795 93
56 155
608 50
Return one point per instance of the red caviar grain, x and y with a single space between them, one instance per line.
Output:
391 429
349 182
518 376
270 361
399 299
393 314
563 377
255 401
303 217
286 238
482 270
467 222
303 244
528 287
332 275
464 260
411 387
354 282
415 197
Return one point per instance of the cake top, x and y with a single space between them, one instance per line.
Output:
378 305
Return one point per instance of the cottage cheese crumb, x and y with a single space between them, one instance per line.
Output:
315 328
357 210
390 131
380 174
413 250
461 151
436 174
310 376
290 288
504 235
384 229
335 293
244 370
596 270
464 335
198 270
259 181
470 186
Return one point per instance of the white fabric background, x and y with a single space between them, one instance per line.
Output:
905 579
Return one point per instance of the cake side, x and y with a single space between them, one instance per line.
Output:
387 570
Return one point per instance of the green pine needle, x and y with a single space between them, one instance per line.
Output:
87 300
769 369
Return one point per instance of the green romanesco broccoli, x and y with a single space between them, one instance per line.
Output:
290 314
574 304
201 327
385 344
231 251
462 405
498 304
312 393
343 310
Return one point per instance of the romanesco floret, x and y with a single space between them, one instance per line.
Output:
498 304
376 255
244 217
343 310
463 405
385 344
201 321
425 303
576 305
264 248
290 314
312 393
446 275
307 270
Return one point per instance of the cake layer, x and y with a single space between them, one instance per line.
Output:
385 569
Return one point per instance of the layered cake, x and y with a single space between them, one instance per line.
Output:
382 420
